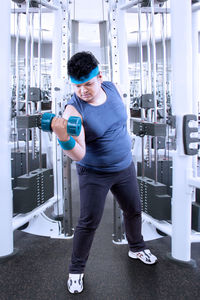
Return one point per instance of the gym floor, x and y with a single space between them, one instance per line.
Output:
39 269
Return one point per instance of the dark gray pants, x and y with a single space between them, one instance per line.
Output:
94 187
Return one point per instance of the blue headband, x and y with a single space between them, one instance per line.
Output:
83 79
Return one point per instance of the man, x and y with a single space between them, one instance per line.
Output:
104 162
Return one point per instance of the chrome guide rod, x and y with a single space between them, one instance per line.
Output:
154 86
27 68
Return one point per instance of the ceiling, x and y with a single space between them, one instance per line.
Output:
89 13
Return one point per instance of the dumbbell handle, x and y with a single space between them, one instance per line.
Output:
73 124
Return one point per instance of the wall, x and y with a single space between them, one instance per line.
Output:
46 49
134 54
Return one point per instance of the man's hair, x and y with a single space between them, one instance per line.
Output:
81 64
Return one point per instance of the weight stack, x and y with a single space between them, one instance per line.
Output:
154 198
18 164
198 196
164 172
196 216
33 190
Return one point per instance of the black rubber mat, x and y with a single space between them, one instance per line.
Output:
39 270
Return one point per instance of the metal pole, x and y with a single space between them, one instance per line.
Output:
68 224
157 10
33 130
149 87
104 45
117 54
164 67
6 233
123 62
39 84
110 63
39 51
131 4
154 58
56 86
74 36
141 77
195 7
112 15
195 78
32 52
182 91
141 58
47 5
27 80
154 87
164 74
17 64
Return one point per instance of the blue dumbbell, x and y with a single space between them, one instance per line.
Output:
73 124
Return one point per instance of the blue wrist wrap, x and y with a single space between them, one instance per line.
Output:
67 145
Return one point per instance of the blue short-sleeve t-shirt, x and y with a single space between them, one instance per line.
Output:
108 144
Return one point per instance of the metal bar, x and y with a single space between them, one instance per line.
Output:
27 67
161 225
182 164
164 84
122 47
166 227
103 42
39 53
154 87
149 88
39 83
110 48
141 58
194 181
119 59
17 64
131 4
195 238
195 7
154 58
6 234
67 203
47 5
115 76
141 79
32 51
195 69
74 36
22 219
118 224
32 10
33 130
66 188
55 90
157 10
164 68
27 81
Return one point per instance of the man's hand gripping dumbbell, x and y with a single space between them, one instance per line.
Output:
64 130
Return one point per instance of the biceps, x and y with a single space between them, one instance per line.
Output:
81 138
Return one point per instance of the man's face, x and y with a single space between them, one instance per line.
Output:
89 90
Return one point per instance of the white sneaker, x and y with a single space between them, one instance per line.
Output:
145 256
75 283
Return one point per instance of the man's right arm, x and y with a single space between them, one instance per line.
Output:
59 127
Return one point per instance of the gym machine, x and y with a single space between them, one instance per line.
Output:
161 129
36 185
119 75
